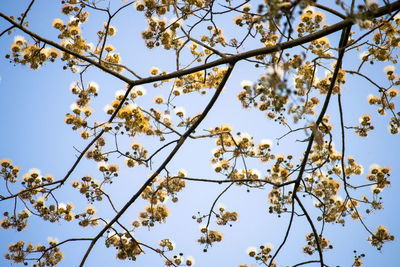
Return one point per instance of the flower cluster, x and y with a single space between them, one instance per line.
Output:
310 21
53 212
264 150
324 84
89 187
384 40
352 167
321 47
215 37
321 154
154 213
224 216
311 246
305 75
262 254
133 119
8 171
19 252
365 126
95 153
306 109
210 236
173 185
198 82
278 201
280 170
139 155
270 94
86 218
252 177
31 54
128 248
18 221
32 181
386 102
159 33
380 176
80 109
157 193
381 236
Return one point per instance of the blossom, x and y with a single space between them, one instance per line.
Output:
371 4
139 5
180 111
246 84
75 108
102 166
52 240
62 207
140 90
34 173
159 99
113 167
177 91
131 106
154 71
119 94
374 168
90 210
5 163
251 251
19 40
393 92
364 55
245 137
182 172
364 118
111 30
109 47
190 261
246 8
221 207
108 109
389 69
93 87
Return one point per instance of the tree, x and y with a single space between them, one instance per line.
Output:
301 63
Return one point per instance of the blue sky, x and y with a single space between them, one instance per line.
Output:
33 105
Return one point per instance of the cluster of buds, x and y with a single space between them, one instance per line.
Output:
262 255
381 236
311 246
379 175
18 221
154 213
128 248
224 216
8 171
89 187
310 21
31 54
209 236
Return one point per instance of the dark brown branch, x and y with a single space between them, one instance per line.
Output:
330 10
342 43
26 12
286 235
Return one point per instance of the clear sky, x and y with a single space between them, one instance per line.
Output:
33 134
